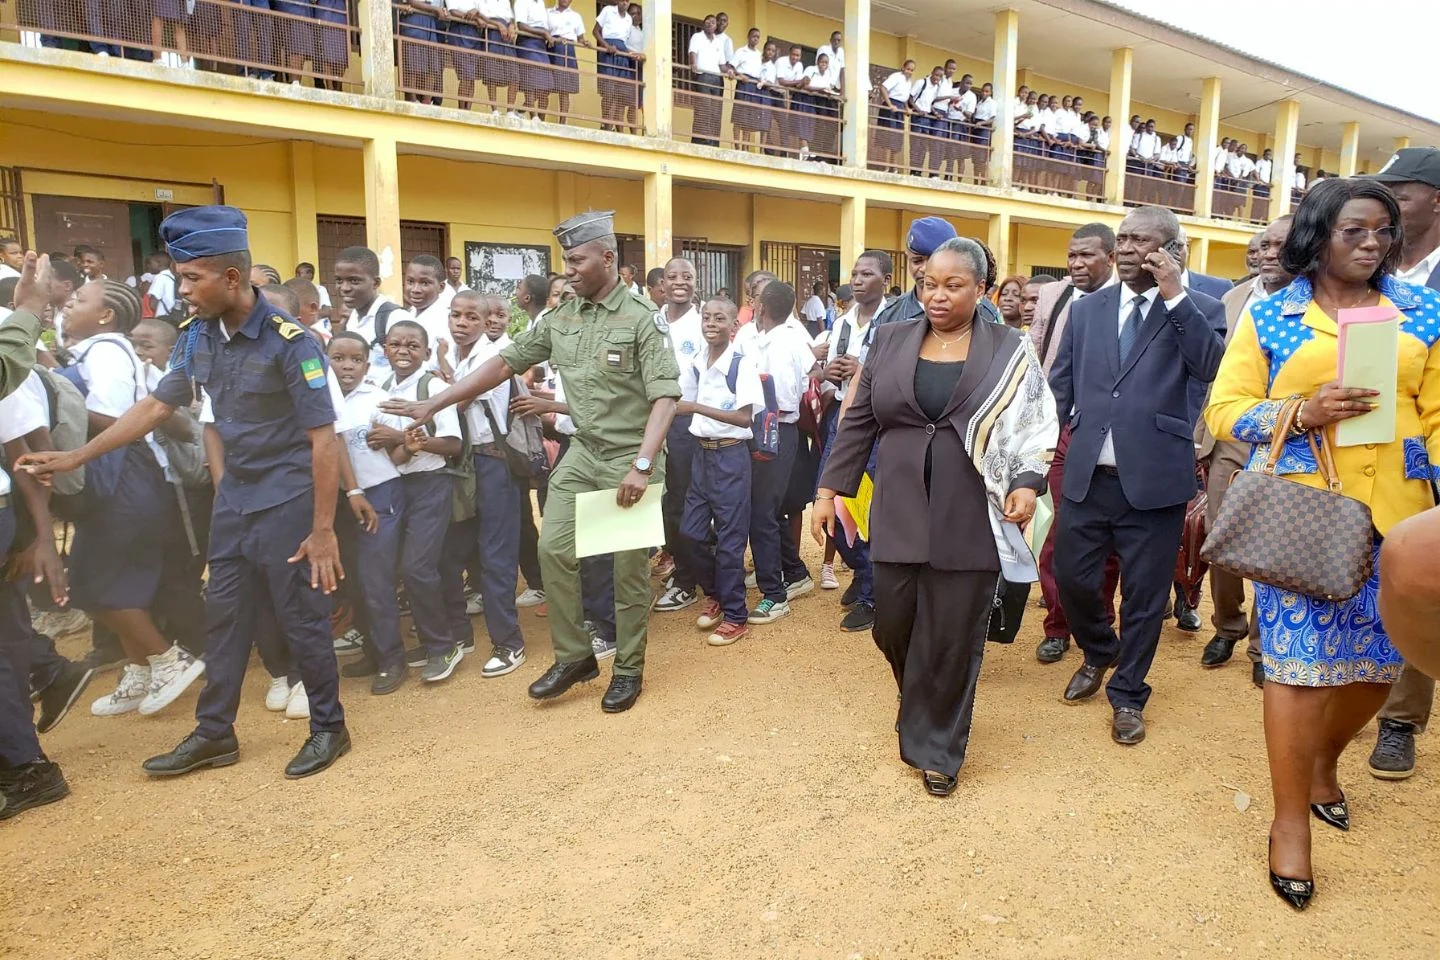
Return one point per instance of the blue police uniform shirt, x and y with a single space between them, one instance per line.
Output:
267 387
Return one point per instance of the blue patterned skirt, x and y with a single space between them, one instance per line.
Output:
498 68
1310 642
565 67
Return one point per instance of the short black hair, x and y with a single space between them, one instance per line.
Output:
429 263
655 277
352 335
6 241
778 299
303 289
537 286
67 271
1315 218
82 249
7 290
303 264
883 260
1040 279
1101 231
409 325
283 297
362 257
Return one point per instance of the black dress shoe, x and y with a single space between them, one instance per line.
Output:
57 699
319 752
30 785
1217 652
562 676
938 784
1052 649
1186 617
1128 728
193 753
1337 813
1295 892
1257 675
389 679
621 695
1086 682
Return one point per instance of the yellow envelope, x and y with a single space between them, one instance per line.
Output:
859 507
603 526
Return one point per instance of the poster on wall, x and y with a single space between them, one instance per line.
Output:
499 267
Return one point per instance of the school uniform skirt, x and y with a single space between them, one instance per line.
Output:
498 67
332 40
802 116
296 29
171 11
748 111
890 126
617 75
466 41
564 68
534 70
129 515
420 59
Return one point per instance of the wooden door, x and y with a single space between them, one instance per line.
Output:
62 223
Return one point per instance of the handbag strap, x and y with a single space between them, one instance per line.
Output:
1319 444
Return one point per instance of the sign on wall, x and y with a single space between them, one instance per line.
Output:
499 267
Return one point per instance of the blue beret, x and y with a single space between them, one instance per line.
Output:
926 235
204 232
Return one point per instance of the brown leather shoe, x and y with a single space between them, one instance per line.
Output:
1128 728
1086 682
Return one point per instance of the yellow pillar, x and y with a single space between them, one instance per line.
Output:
1349 148
1207 136
1402 143
382 211
1287 132
1199 254
659 216
997 238
302 205
1002 140
910 50
756 11
756 261
1122 63
659 74
852 229
856 148
377 48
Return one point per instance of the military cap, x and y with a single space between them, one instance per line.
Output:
204 232
584 227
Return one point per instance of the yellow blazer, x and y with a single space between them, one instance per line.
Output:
1285 346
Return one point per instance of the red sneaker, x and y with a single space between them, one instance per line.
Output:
711 616
727 633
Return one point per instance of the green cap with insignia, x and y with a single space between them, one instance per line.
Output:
584 227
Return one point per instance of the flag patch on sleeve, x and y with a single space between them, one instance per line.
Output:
314 373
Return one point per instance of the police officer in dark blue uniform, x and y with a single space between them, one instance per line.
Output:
272 536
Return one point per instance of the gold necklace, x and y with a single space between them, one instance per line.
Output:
947 344
1335 305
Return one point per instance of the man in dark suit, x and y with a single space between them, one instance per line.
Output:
1123 379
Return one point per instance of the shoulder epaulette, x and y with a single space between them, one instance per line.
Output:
288 329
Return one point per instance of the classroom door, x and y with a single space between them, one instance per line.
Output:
62 223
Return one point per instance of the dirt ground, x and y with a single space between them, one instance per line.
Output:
753 804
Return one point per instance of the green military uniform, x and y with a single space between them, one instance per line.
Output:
615 360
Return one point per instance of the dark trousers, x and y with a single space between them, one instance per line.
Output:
718 508
708 107
45 663
1087 532
423 527
495 529
931 626
18 742
768 482
179 607
680 450
250 568
376 566
530 544
1056 624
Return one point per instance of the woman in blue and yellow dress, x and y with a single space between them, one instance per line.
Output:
1329 665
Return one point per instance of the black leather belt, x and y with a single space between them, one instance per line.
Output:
1108 470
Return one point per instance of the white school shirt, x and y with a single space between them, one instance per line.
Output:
614 25
463 6
986 110
532 13
767 75
857 346
498 399
8 271
25 410
946 88
686 337
707 386
162 288
1263 168
897 87
1219 159
1147 145
496 10
1297 182
727 45
1167 154
814 310
436 321
112 374
566 25
785 70
784 353
447 422
1102 139
709 52
636 39
365 327
359 409
923 94
746 62
964 105
1029 123
1107 451
1186 151
836 55
1241 167
1021 109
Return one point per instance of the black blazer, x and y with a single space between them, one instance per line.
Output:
949 527
1145 403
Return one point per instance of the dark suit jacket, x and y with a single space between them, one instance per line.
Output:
948 527
1210 286
1145 403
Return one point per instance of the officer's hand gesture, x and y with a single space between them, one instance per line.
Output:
417 412
323 551
42 465
33 291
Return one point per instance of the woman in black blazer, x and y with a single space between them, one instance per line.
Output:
966 427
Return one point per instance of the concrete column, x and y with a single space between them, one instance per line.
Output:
1006 60
302 205
377 48
1287 132
852 230
1402 143
659 74
1207 135
1122 65
856 147
1349 148
659 216
1199 255
997 238
757 16
382 212
755 239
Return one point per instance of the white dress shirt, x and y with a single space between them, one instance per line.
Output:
532 14
498 399
365 326
727 45
446 422
436 321
1263 169
746 62
564 423
496 10
964 105
1147 146
1420 273
359 410
897 87
986 110
1127 296
1185 151
566 25
162 289
614 25
856 345
923 94
836 55
828 80
708 52
787 71
7 271
706 384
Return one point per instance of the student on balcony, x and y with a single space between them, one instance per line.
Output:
822 92
748 114
980 129
923 142
894 96
707 59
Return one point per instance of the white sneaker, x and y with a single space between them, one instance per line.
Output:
278 695
675 598
828 580
298 706
799 588
171 673
502 662
512 115
530 598
350 643
474 604
129 692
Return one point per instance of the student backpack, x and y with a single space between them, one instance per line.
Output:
69 430
523 443
765 427
382 324
460 469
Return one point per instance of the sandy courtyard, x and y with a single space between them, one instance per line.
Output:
752 805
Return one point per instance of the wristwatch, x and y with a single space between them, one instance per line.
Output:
643 465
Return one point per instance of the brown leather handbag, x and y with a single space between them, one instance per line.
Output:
1190 567
1288 535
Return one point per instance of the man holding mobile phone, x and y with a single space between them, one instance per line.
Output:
1122 378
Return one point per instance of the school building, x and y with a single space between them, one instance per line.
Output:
341 148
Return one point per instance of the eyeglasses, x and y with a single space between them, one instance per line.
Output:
1354 236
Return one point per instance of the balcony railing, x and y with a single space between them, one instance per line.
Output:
1068 169
1158 184
1241 200
740 115
937 147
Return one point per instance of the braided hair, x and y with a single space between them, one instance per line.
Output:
122 300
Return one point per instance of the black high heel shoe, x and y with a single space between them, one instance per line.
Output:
938 784
1336 814
1295 892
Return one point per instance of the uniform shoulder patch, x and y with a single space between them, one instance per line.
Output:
314 373
288 329
660 323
